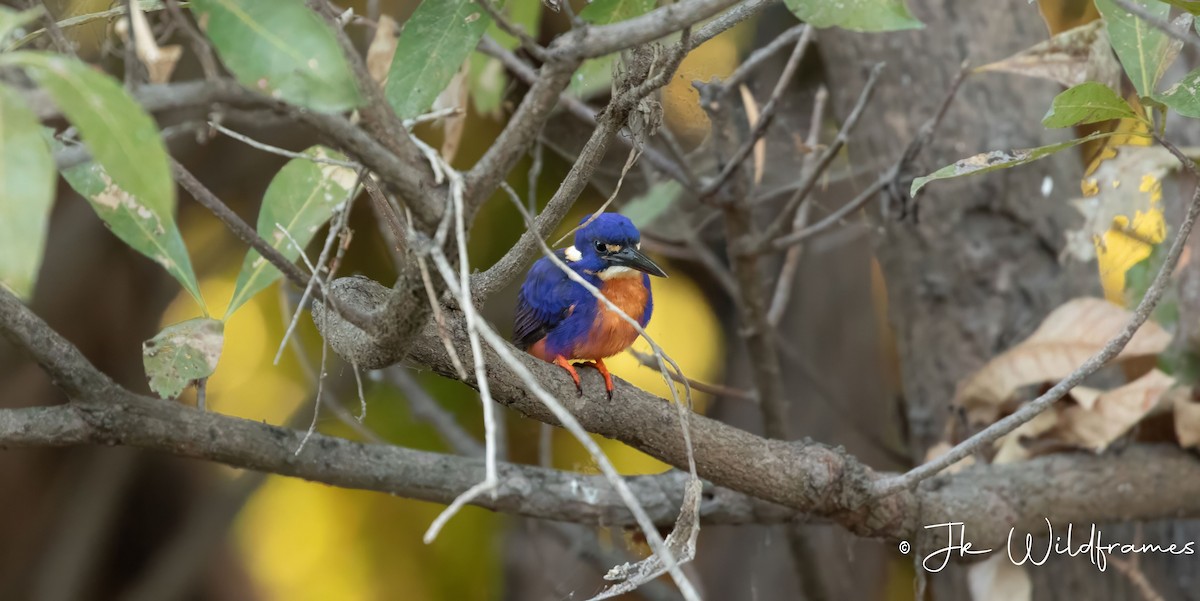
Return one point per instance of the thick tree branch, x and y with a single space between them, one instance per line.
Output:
1142 482
596 41
825 482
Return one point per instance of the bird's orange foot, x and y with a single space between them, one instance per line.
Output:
563 363
608 383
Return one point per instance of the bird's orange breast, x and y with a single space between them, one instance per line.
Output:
610 334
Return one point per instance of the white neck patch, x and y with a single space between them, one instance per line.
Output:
572 254
618 271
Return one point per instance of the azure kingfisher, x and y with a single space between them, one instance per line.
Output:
559 320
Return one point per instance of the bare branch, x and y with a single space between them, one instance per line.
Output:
599 40
810 179
767 116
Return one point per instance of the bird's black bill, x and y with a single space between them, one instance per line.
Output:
633 258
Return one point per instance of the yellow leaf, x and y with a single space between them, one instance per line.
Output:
1122 204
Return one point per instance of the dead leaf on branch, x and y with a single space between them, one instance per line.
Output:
160 61
382 49
455 97
1011 447
1187 417
1113 412
1070 58
1066 338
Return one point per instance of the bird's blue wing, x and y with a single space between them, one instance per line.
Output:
544 301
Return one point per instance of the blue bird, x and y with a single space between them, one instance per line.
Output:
559 320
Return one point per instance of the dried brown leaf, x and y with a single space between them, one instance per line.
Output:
455 96
382 49
1010 447
760 147
1187 417
1072 57
159 61
1067 337
1114 412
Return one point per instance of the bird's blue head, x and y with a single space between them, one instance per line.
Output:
609 247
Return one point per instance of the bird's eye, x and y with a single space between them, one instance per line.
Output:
599 246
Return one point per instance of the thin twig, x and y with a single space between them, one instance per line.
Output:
765 118
826 159
1111 349
762 55
646 360
60 41
247 235
200 45
281 151
426 408
791 262
889 177
501 20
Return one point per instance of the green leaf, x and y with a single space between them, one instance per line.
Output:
119 134
182 353
280 48
147 227
301 199
435 41
855 15
1088 102
595 75
11 20
1142 47
1191 6
1184 96
487 77
26 193
1001 159
643 210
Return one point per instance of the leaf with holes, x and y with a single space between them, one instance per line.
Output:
1145 51
999 159
1088 102
148 228
1184 96
855 15
301 198
435 41
280 48
181 354
1070 57
26 193
119 134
